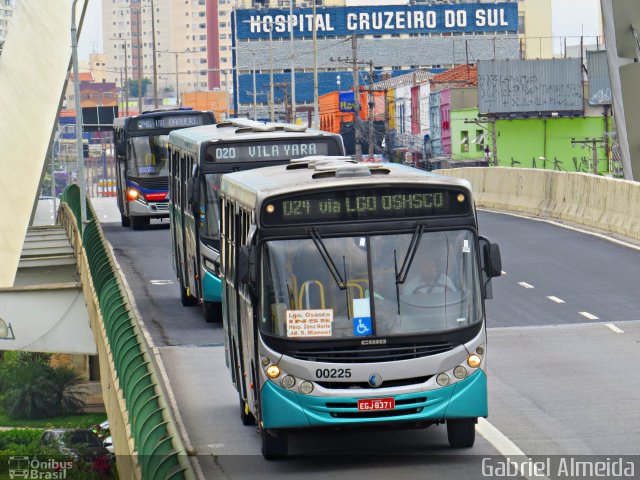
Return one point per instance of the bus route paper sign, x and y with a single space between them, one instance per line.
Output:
309 323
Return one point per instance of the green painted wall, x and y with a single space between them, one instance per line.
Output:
526 140
523 142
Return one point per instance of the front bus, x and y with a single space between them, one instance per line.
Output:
354 295
142 167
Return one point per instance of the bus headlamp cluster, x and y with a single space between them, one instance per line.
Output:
211 267
460 372
286 381
132 194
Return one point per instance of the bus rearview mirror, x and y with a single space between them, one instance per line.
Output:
495 260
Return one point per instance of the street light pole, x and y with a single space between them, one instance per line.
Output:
126 81
78 107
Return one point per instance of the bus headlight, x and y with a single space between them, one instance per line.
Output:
460 372
443 379
132 194
265 361
288 381
480 350
474 360
273 371
210 266
306 387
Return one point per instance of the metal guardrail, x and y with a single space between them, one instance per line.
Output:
156 444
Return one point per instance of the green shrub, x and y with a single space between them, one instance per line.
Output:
32 389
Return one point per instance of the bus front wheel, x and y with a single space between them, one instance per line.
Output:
212 311
461 432
124 220
274 444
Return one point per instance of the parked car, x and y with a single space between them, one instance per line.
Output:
80 443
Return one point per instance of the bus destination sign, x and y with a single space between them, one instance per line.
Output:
365 205
274 150
172 121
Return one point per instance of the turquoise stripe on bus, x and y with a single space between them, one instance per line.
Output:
288 409
211 288
469 398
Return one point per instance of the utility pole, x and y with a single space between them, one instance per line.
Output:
316 113
293 63
126 81
139 43
356 97
271 95
371 110
177 83
155 67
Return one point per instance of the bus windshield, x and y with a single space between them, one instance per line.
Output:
148 156
301 299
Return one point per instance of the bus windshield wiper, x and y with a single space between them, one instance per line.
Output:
401 275
324 253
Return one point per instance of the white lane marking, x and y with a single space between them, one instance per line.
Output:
503 272
588 315
525 285
161 282
614 328
502 444
555 299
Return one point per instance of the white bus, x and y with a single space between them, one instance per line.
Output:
354 295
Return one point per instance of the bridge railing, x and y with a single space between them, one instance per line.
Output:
604 203
145 437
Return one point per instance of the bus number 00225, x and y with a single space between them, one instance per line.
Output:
333 373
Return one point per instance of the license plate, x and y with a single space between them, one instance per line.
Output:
376 404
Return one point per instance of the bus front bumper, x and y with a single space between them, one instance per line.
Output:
211 287
282 408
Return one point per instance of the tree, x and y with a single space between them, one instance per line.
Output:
31 388
133 87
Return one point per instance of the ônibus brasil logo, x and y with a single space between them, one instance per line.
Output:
34 468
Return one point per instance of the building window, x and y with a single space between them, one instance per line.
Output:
464 141
521 24
479 140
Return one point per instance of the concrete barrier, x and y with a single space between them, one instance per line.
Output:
608 204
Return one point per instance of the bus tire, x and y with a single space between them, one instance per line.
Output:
275 444
124 220
138 223
212 311
245 414
461 432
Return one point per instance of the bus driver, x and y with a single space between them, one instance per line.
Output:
430 277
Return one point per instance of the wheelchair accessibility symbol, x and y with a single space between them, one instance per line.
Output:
362 326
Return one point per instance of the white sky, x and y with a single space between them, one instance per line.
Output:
569 18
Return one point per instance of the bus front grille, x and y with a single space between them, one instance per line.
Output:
381 414
364 385
372 354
